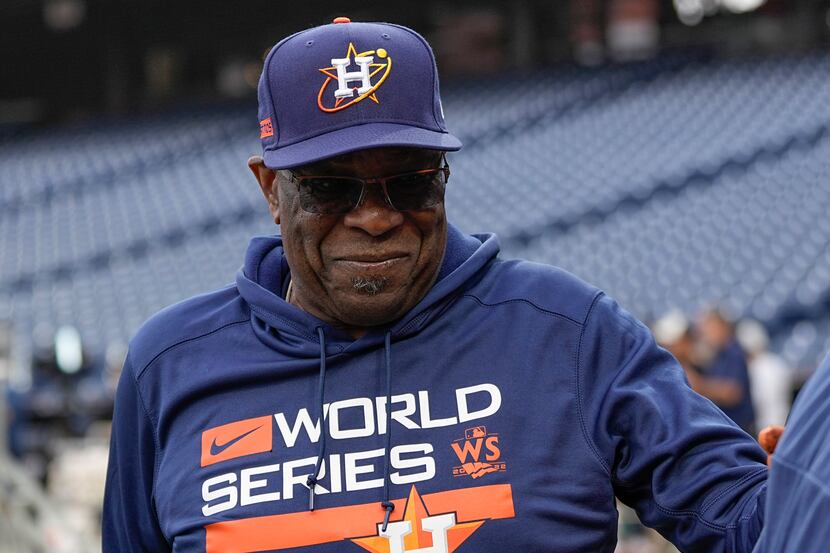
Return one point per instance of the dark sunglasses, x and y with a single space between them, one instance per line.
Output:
330 195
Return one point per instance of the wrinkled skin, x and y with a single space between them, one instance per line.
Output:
324 251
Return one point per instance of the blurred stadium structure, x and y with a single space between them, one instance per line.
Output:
694 173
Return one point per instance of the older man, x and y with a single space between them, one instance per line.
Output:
376 380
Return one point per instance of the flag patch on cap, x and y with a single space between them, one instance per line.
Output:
266 130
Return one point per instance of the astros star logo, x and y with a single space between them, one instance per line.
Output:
436 522
420 531
368 68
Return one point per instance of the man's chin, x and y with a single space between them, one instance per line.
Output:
365 309
369 285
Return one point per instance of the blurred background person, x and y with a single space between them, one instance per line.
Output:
726 374
715 364
673 331
770 378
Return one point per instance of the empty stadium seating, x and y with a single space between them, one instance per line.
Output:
674 182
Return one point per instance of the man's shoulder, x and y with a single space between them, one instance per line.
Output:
546 287
184 321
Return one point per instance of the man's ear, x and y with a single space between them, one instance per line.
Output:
268 184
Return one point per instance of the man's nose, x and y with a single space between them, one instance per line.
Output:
374 215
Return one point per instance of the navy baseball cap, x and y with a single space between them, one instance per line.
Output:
349 86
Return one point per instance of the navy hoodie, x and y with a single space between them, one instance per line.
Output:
504 412
798 503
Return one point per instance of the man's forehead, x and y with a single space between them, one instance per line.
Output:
376 159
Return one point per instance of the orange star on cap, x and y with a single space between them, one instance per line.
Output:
351 53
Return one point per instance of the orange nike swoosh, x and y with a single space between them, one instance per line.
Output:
216 449
236 439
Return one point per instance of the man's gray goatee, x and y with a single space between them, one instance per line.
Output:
370 285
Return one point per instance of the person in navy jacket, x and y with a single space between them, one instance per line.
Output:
376 380
798 502
726 379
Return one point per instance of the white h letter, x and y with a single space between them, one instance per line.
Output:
344 78
437 526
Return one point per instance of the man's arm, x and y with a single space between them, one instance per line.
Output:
129 518
671 454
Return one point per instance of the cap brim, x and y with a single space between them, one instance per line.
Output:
358 137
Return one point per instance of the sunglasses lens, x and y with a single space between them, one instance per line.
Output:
419 190
329 195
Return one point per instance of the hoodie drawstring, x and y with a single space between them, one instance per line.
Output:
387 505
311 482
312 478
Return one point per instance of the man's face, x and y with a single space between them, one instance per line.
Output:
371 265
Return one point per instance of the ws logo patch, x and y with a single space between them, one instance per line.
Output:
478 452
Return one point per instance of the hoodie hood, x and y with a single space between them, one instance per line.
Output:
263 282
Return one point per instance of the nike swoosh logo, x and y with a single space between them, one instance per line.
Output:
216 449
